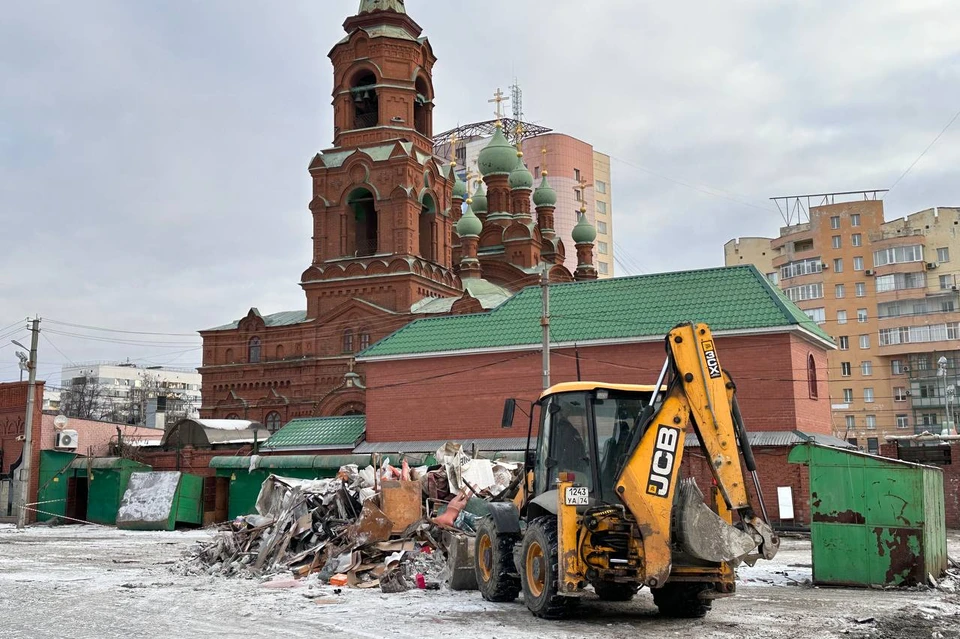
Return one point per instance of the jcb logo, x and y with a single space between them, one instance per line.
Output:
664 458
713 364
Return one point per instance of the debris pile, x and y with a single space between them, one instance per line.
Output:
395 528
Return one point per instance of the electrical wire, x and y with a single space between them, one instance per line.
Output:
929 146
115 330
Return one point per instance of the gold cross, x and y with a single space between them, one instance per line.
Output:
543 153
518 131
499 98
583 196
453 148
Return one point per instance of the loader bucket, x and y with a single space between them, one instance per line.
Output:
703 534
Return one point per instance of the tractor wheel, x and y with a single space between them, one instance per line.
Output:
539 572
497 577
613 591
682 600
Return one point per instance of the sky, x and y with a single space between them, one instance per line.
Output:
153 154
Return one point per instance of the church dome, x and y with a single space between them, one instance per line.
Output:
459 188
480 199
469 224
499 157
521 177
544 195
584 232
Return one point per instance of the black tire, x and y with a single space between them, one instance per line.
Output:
682 600
613 591
539 571
497 577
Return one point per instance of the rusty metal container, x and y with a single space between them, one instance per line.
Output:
875 521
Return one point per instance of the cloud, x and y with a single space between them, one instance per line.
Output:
153 155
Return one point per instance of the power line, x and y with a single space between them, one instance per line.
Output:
929 146
43 334
115 330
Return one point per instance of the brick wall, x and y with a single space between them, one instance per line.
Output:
462 397
773 470
195 461
94 438
13 408
951 481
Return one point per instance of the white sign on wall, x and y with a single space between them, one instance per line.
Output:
785 498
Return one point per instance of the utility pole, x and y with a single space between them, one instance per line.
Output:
545 324
28 425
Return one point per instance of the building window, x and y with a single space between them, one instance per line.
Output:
844 343
576 175
838 291
862 315
838 265
365 101
856 239
929 419
841 317
847 395
578 194
348 341
896 366
272 422
867 395
898 255
804 292
858 263
602 248
602 228
801 267
364 340
601 186
601 207
835 222
836 241
812 377
871 422
604 268
855 219
845 369
899 394
866 368
818 315
922 362
946 282
864 342
861 289
254 350
901 281
851 422
903 421
943 254
873 445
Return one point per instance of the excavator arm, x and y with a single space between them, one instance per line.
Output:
700 396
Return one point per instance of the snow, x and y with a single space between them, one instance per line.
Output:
96 581
226 424
149 497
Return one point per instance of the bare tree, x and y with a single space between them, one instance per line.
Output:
84 398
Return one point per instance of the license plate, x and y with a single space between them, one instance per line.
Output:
577 496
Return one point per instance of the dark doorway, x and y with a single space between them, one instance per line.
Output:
77 493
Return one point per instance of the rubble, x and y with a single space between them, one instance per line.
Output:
387 527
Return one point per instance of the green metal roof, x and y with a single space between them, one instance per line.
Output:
728 299
285 318
323 462
319 432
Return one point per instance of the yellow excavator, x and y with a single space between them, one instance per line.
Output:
602 503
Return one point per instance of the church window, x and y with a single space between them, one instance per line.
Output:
254 350
364 340
273 421
366 107
812 377
229 356
421 108
348 340
428 222
365 223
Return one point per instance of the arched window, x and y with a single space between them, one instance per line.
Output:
348 340
366 106
364 340
273 421
233 416
254 350
229 356
421 108
428 223
812 377
280 351
365 223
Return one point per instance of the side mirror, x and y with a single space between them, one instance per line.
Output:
509 407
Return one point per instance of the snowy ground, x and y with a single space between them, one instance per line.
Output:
101 582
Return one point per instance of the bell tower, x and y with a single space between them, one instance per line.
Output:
382 203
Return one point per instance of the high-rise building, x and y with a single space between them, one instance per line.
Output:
887 293
579 174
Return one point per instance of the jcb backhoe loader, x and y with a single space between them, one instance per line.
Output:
602 502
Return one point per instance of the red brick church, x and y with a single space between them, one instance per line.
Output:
392 239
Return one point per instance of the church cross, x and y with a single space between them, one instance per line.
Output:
499 98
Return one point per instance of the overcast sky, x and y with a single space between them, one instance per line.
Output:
153 154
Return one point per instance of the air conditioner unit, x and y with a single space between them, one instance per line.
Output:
905 369
868 272
824 265
66 439
932 265
953 288
909 393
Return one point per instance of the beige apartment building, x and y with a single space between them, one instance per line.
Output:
887 293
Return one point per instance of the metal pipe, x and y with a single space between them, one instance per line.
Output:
545 324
